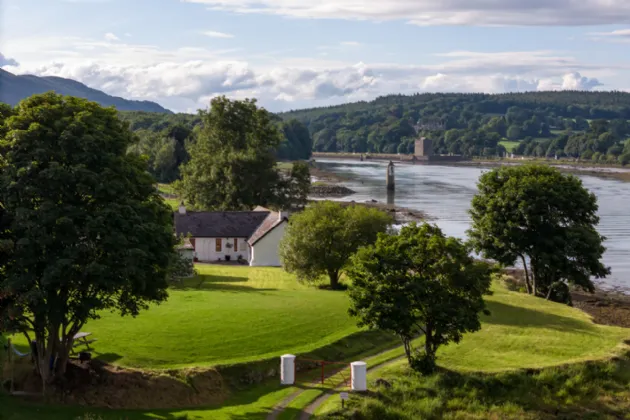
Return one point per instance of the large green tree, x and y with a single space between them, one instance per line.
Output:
86 228
233 161
543 219
320 240
419 282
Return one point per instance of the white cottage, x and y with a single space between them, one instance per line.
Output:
249 236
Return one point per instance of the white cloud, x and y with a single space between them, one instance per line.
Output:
624 33
351 43
215 34
6 61
185 78
618 36
111 37
440 12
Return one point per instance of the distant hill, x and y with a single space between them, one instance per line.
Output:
14 88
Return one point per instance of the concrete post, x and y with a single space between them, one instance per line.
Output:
287 369
359 376
391 183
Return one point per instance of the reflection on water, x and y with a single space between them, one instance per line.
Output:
445 192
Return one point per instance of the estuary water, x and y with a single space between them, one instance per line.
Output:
444 194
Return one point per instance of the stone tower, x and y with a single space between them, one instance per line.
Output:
423 147
391 184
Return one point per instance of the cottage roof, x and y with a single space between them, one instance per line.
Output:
219 224
269 224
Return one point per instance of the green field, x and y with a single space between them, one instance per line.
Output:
236 314
509 145
230 314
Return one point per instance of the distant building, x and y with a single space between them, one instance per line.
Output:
423 147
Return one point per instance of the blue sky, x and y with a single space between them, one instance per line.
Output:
296 53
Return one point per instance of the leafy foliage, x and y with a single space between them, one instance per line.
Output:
320 240
233 163
543 219
419 282
86 227
468 124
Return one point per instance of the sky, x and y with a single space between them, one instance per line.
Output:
292 54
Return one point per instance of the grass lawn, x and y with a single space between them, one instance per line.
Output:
509 145
242 313
229 315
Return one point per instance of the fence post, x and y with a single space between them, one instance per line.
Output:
287 369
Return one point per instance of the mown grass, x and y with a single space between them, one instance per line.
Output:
228 315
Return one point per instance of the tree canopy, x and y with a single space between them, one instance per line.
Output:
233 162
543 219
85 227
320 240
419 282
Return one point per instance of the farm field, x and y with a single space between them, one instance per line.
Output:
521 332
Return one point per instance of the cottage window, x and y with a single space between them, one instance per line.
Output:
235 244
218 245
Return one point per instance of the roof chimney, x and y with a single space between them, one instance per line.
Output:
283 215
182 208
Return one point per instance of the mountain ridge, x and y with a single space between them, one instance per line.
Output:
14 88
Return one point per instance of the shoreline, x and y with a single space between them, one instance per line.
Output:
605 306
584 168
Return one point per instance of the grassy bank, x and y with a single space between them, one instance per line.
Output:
522 332
593 390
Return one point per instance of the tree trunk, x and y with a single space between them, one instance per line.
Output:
534 278
428 341
407 345
528 285
334 279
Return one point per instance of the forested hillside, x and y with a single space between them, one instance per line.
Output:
550 123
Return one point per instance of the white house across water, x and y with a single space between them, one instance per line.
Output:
249 236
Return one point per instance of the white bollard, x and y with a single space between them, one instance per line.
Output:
287 369
359 376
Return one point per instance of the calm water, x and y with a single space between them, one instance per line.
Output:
444 193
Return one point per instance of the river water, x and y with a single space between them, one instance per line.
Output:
444 193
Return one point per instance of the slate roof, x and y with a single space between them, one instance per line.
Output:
219 224
267 226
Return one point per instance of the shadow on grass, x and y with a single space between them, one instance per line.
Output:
217 283
503 314
108 357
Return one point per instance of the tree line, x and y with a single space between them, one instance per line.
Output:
167 140
467 124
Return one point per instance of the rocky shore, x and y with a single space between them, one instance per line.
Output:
330 190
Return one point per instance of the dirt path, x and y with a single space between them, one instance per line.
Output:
312 407
279 408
